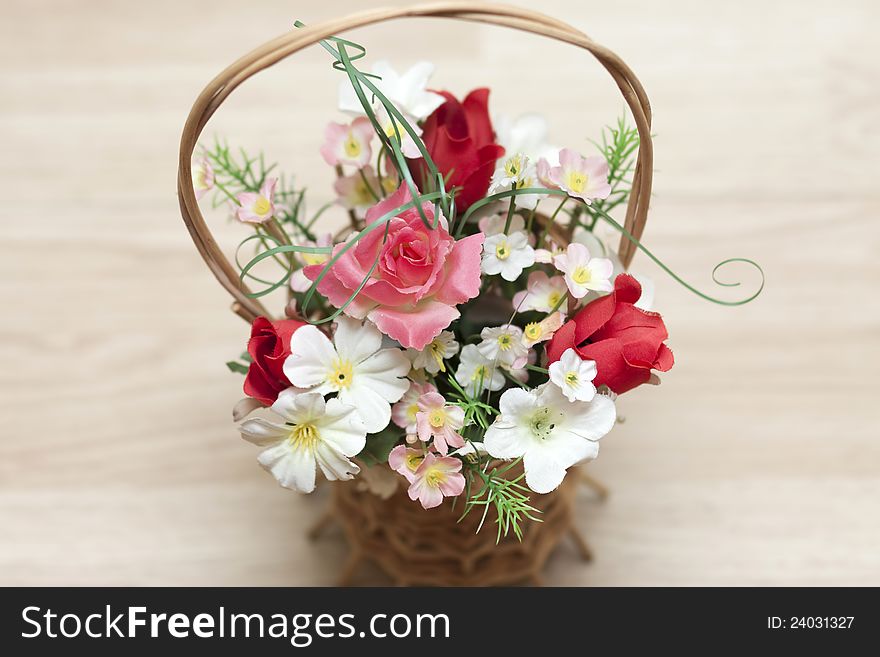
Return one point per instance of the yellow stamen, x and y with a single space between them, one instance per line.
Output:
502 251
411 411
571 378
315 258
413 460
534 331
505 341
513 166
576 181
262 206
303 436
581 275
434 477
341 375
553 298
437 351
352 146
437 417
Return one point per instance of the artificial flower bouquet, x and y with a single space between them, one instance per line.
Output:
467 334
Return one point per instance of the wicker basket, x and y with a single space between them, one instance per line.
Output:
411 545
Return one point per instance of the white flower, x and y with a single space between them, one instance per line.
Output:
312 434
494 224
394 129
542 293
595 245
432 356
353 365
476 373
504 345
408 91
583 273
526 134
550 433
507 255
574 376
517 172
535 332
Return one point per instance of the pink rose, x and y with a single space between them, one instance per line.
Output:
421 276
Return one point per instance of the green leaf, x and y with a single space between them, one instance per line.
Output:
235 366
379 445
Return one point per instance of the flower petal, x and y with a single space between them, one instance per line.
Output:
294 469
356 341
375 411
414 328
543 472
311 356
333 464
261 432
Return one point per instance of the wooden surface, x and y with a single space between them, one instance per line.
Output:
756 462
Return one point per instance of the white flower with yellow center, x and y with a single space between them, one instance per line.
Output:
535 332
476 373
311 434
550 433
507 255
353 365
574 376
394 130
504 345
583 273
517 172
432 357
542 293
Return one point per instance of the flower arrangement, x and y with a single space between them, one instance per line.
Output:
468 334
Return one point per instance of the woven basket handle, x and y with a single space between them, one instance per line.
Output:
274 51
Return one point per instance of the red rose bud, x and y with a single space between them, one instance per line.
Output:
269 347
626 342
460 139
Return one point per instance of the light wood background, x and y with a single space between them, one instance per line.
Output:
756 462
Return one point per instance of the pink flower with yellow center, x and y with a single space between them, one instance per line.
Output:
583 177
542 293
441 421
437 477
348 144
403 413
406 461
257 207
202 177
583 273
